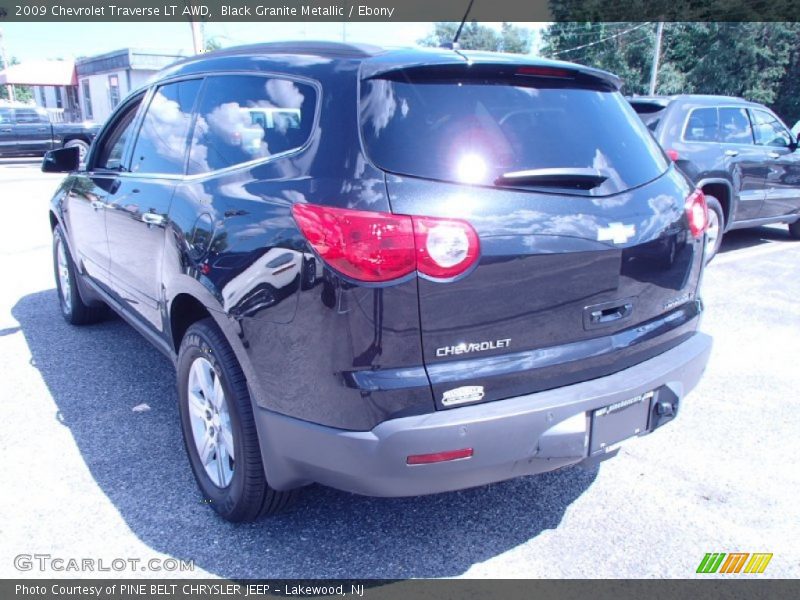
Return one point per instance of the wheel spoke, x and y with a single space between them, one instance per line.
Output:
206 379
221 467
218 395
206 449
197 406
226 437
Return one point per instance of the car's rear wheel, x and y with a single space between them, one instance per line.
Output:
716 224
74 310
794 230
219 430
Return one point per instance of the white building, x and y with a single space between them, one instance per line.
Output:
104 80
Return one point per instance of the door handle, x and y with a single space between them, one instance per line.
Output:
773 155
4 130
152 218
97 205
731 153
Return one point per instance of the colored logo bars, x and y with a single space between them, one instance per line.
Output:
735 562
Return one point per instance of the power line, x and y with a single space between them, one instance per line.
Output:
600 41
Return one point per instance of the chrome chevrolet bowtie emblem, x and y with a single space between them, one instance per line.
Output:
618 233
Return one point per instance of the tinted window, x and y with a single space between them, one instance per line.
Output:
5 115
30 115
243 117
162 141
475 130
769 131
702 126
113 144
734 126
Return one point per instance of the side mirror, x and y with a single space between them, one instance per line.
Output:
793 145
62 160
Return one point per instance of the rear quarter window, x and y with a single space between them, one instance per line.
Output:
474 131
241 118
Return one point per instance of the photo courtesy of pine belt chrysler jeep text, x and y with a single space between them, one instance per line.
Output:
393 272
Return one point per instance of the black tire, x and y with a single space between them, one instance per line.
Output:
716 208
82 147
74 310
247 496
794 230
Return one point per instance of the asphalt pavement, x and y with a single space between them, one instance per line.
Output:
86 476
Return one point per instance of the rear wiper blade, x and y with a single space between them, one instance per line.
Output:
575 178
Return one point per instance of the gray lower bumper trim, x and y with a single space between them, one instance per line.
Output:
524 435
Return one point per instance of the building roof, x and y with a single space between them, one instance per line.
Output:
40 72
126 58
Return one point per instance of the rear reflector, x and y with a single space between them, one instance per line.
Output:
673 155
377 247
436 457
697 213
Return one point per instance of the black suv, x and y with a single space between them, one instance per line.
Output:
739 153
391 272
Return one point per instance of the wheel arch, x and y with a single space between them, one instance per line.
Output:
722 190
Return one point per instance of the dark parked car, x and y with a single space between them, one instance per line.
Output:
26 130
739 153
425 271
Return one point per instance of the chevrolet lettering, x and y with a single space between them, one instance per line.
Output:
473 347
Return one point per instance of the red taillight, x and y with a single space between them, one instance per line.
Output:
673 155
368 246
426 459
376 247
697 213
445 247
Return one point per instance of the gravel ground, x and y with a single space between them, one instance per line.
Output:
87 477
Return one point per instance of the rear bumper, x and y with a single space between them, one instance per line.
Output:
525 435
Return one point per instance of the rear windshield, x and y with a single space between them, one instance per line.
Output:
475 131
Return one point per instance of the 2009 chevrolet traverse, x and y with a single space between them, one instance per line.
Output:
394 272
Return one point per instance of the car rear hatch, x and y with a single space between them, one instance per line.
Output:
586 263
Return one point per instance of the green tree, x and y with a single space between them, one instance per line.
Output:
21 93
211 45
759 61
474 36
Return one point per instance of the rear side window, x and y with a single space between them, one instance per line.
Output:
163 138
29 115
5 115
734 126
702 126
476 130
242 118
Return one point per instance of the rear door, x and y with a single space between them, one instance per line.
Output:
137 214
783 165
576 272
745 161
33 130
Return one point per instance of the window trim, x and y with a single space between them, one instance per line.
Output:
717 108
100 139
241 166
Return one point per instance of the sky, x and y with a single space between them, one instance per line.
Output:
36 41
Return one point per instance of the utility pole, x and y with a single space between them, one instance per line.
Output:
6 64
656 57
